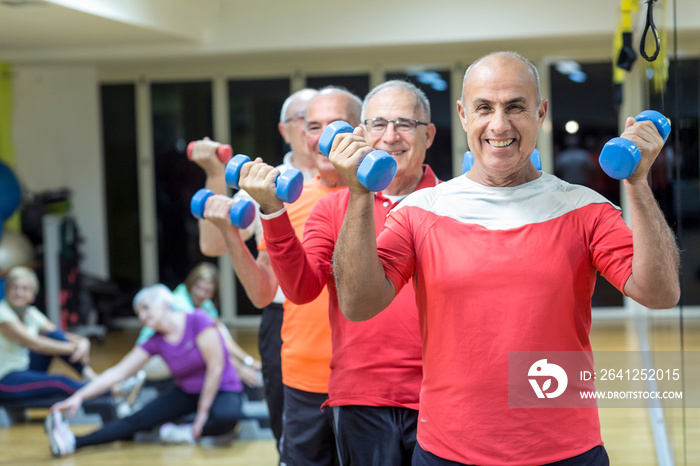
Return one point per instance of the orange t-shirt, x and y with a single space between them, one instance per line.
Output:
306 330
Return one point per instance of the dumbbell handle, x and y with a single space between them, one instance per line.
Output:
377 169
242 212
223 151
288 184
620 157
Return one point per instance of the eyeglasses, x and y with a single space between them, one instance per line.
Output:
297 116
401 125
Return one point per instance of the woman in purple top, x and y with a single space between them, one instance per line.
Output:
206 382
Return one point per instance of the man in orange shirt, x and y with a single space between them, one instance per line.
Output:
306 334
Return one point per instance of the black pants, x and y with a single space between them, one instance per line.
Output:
170 406
375 436
308 438
596 456
270 347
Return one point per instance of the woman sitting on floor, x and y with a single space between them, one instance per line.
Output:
205 381
29 342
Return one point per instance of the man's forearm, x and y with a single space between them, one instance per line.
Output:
256 275
363 289
211 241
654 282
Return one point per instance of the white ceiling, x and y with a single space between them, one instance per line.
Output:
28 26
45 31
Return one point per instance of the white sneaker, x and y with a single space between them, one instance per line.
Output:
129 389
126 392
173 433
61 439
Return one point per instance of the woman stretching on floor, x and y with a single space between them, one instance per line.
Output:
206 383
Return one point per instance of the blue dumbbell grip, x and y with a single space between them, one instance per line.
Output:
289 185
663 125
233 170
199 201
377 170
467 161
325 142
242 213
619 158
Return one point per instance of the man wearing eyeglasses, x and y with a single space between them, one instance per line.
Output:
376 366
212 243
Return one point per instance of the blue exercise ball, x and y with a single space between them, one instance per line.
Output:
10 192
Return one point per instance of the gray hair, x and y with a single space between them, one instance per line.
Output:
421 98
304 95
513 55
355 102
154 294
21 271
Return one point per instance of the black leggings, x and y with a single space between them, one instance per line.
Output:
170 406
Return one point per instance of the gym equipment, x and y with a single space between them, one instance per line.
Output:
241 214
15 249
377 169
223 152
468 160
10 192
289 183
620 157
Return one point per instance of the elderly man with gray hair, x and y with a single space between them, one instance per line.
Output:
375 366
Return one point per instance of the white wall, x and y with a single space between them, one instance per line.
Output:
58 143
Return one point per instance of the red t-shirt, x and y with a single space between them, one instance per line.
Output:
498 270
374 363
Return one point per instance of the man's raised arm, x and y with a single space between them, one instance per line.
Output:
654 282
363 288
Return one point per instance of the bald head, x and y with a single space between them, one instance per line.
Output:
496 58
345 101
296 103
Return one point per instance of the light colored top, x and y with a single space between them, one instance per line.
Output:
14 357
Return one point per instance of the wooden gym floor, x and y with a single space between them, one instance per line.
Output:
626 431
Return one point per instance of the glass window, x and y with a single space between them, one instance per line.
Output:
675 176
254 108
584 118
121 185
182 112
358 84
436 85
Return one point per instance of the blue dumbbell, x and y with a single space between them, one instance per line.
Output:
468 160
377 169
620 157
241 214
289 184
